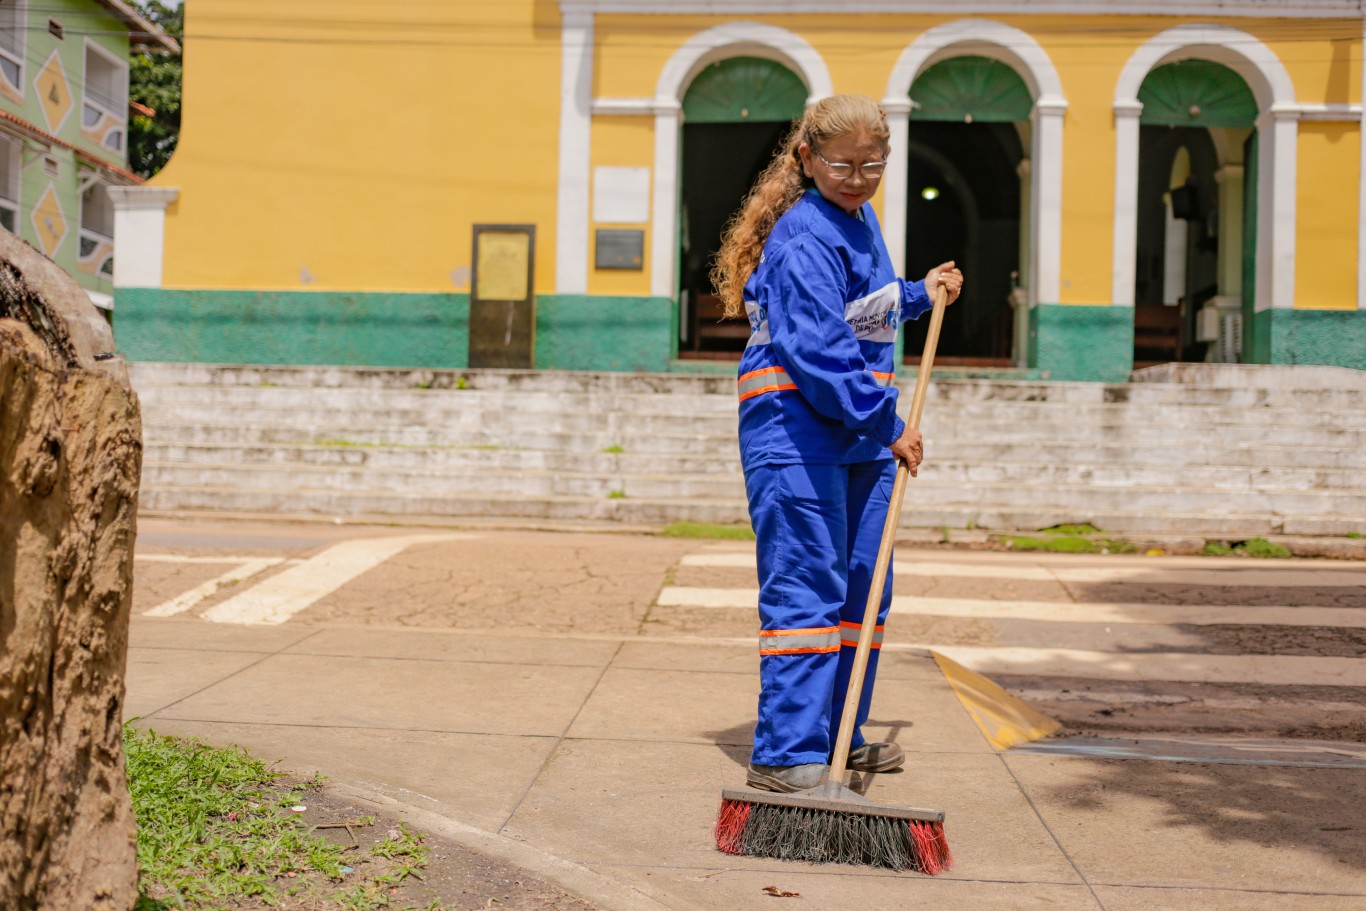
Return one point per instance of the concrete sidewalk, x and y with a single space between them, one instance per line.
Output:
597 763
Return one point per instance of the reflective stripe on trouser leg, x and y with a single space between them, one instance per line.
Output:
870 490
799 517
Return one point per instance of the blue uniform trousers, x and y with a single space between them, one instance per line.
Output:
818 528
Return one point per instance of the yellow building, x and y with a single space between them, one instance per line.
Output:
541 183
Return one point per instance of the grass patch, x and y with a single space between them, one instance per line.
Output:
613 450
709 530
1084 528
1253 547
616 494
1354 534
1069 538
215 830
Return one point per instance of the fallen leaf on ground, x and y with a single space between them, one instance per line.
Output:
779 893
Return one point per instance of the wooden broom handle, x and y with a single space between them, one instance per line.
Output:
840 758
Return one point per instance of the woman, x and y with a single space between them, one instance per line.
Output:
819 433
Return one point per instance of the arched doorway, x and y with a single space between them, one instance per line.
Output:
735 114
1193 235
963 201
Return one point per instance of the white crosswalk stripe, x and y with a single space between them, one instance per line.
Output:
1192 667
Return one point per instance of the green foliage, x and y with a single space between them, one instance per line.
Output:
616 494
1070 544
1057 544
613 450
1261 547
1084 528
154 81
1253 547
1354 534
215 831
709 530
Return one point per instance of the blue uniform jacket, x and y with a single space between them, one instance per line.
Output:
824 305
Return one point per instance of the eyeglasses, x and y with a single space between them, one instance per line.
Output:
842 170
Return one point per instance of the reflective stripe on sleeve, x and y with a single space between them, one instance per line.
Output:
849 634
770 379
775 379
799 641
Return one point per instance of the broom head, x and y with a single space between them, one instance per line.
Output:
831 824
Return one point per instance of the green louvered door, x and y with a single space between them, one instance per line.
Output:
744 90
735 114
970 90
1196 93
963 200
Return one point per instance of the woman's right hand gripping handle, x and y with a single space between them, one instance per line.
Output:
910 448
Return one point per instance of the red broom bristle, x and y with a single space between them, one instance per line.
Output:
730 826
930 846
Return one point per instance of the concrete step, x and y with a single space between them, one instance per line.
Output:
945 517
421 435
1338 397
271 404
208 442
1076 497
969 466
1022 426
308 481
451 459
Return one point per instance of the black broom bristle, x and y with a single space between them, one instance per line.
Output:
791 831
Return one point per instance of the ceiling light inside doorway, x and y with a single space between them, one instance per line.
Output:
929 193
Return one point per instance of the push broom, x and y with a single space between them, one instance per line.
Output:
831 823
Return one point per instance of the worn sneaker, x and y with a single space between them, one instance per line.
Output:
876 757
787 778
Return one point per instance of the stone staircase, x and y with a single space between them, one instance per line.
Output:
1186 449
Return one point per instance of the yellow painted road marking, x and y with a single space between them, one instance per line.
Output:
282 596
1098 612
1272 670
1005 720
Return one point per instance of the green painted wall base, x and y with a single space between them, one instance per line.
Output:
1080 342
1332 338
573 332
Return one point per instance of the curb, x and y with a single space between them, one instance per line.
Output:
604 893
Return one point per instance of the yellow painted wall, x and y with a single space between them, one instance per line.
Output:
336 146
626 142
356 144
1326 210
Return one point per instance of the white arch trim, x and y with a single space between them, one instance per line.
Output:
1278 129
733 39
1019 51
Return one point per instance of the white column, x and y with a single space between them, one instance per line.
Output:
1021 299
1230 180
576 124
1277 186
1126 202
896 180
140 234
664 239
1025 171
1046 269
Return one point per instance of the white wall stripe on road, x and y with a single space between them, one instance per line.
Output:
248 567
282 596
1221 575
1272 670
1056 611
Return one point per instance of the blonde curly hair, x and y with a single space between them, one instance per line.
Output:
780 186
